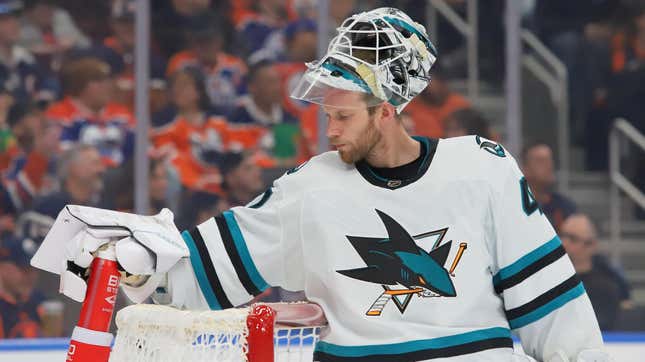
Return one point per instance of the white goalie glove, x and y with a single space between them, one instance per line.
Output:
147 247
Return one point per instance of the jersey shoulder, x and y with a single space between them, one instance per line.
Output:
474 157
319 171
476 146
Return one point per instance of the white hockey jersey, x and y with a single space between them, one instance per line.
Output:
442 265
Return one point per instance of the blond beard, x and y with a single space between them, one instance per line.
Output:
364 144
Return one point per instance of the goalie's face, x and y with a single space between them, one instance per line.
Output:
351 127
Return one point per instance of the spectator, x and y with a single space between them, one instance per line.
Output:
20 302
296 42
301 40
119 193
29 163
29 172
571 29
242 178
7 213
260 123
171 19
90 17
19 73
300 47
606 287
305 9
339 10
6 138
48 32
619 94
80 173
465 122
158 185
88 115
258 27
618 87
224 73
17 136
537 165
627 85
430 109
117 50
190 134
199 206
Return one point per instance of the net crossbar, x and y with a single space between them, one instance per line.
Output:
149 333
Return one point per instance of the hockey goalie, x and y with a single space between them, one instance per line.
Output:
415 248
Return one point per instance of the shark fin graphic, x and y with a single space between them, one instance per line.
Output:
440 254
402 241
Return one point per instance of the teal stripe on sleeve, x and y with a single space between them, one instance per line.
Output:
527 260
412 346
200 272
240 245
547 308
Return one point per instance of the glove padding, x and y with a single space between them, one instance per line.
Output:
145 245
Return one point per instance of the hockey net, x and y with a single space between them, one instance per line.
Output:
263 332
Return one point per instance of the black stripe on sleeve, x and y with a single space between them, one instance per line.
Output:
531 269
209 268
422 355
543 299
234 256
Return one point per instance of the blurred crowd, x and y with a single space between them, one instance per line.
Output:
222 123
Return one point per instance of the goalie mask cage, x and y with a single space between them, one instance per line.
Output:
149 333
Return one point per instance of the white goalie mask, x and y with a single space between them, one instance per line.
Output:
380 52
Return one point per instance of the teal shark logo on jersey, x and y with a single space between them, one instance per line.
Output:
490 147
397 260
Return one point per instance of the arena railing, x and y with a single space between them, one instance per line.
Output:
466 27
556 80
538 59
621 132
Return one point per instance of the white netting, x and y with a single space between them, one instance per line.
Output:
158 333
148 332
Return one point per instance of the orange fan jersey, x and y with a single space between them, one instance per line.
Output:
27 177
194 150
